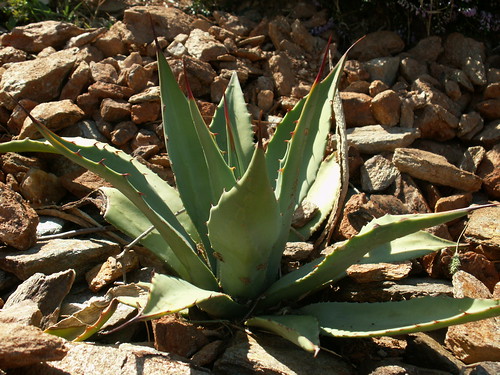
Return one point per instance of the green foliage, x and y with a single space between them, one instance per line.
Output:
223 231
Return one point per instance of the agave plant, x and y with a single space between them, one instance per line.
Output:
223 229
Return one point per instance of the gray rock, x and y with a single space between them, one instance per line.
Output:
49 225
58 255
125 359
47 291
434 168
267 354
373 139
472 158
377 174
383 68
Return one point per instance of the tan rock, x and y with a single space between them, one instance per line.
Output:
111 270
489 171
114 110
386 108
203 46
435 122
77 81
40 187
366 273
357 109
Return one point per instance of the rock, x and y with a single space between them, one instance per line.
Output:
25 313
273 355
376 87
435 122
115 110
19 114
18 220
492 91
453 202
125 359
301 36
200 74
81 183
265 100
11 55
411 68
489 171
58 255
377 174
203 46
145 112
177 336
367 273
35 37
407 191
383 68
490 135
150 94
39 80
101 90
77 81
296 251
47 291
482 228
474 341
434 168
472 158
357 110
362 87
209 353
238 25
25 345
489 109
469 125
283 74
374 139
468 55
54 115
103 72
110 43
49 225
40 187
111 270
432 95
386 108
136 77
123 132
355 71
427 49
424 350
144 138
377 44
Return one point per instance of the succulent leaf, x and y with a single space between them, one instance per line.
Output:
237 146
242 228
302 330
344 319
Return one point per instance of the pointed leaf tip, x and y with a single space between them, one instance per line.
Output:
323 62
186 81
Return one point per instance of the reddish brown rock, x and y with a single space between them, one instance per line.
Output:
136 77
435 122
453 202
114 110
18 221
386 108
489 109
145 112
123 132
19 114
377 44
103 72
489 171
77 81
102 90
110 43
357 109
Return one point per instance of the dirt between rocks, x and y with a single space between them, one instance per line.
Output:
424 129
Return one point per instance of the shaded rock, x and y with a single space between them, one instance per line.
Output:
203 46
40 187
25 345
427 49
435 122
111 270
25 313
489 109
373 139
123 132
209 353
39 35
469 125
301 36
472 158
432 95
18 221
423 349
489 171
378 173
384 69
283 73
490 135
377 44
386 108
114 110
357 110
19 114
58 255
175 335
466 54
273 355
407 191
125 359
474 341
78 80
81 183
46 291
200 74
411 68
145 138
434 168
54 115
492 91
40 79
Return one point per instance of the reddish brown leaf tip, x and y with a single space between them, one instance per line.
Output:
323 62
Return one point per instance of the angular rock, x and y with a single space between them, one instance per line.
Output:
103 72
125 359
469 125
374 139
47 291
386 108
435 122
18 221
489 109
123 132
136 77
114 268
77 81
19 114
11 55
427 49
25 313
432 95
114 110
357 110
273 355
36 36
81 183
453 202
58 255
54 115
283 73
384 69
490 135
25 345
367 273
85 38
39 80
482 228
474 341
489 171
40 187
145 112
377 174
472 158
407 191
434 168
468 55
203 46
377 44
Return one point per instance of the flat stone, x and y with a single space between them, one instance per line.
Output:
111 270
26 345
47 291
374 139
483 228
434 168
273 355
58 255
367 273
125 359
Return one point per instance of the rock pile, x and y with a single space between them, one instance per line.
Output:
423 126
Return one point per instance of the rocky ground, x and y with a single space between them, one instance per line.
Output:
424 129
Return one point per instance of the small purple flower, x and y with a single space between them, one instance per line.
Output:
469 12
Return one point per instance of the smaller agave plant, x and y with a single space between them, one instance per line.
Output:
223 230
